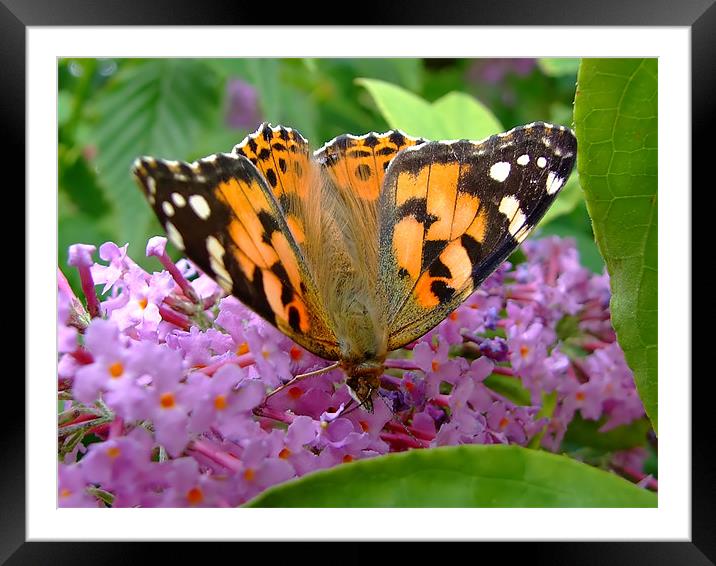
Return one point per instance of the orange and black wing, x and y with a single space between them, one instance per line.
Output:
357 164
222 213
281 156
451 212
352 171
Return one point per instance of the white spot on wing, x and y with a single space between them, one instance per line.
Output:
510 207
216 260
500 171
174 235
214 247
553 183
523 159
523 233
200 206
152 185
168 208
178 199
541 162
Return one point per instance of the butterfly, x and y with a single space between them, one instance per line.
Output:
366 244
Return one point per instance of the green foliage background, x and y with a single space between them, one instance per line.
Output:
112 111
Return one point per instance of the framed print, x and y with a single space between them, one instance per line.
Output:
412 285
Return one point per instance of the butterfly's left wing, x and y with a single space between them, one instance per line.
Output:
221 212
451 212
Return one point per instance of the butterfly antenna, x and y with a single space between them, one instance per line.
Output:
420 443
348 411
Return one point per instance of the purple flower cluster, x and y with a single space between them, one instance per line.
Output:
164 381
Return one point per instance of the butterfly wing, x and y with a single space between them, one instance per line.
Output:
221 212
281 156
451 212
353 169
356 164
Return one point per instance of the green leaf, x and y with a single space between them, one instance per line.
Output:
79 182
463 116
567 327
454 116
158 108
584 432
404 110
460 476
510 387
615 114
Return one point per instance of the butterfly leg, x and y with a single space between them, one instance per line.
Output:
349 409
301 377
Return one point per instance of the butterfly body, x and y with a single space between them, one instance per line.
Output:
368 243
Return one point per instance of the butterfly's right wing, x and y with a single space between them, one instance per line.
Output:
223 215
451 212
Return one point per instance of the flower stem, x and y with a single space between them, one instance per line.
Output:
219 456
635 475
180 280
397 363
88 289
175 318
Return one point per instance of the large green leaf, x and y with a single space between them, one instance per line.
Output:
157 108
615 114
460 476
454 116
463 116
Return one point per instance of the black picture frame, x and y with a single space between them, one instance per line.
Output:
699 15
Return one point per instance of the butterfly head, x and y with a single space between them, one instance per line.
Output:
363 380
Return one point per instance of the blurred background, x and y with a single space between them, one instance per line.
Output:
111 111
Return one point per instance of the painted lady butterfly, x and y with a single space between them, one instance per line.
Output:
367 244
